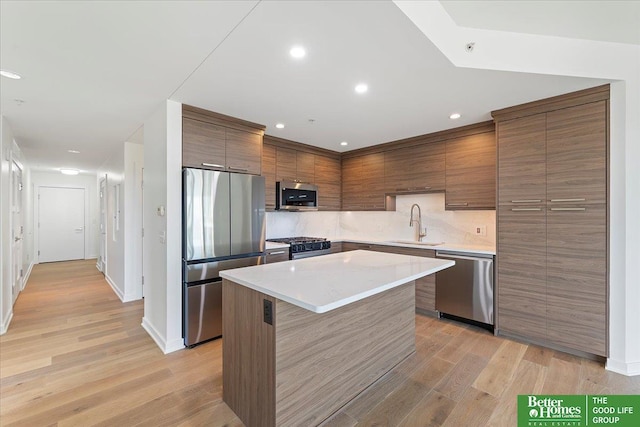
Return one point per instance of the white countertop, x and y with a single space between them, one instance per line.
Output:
324 283
452 247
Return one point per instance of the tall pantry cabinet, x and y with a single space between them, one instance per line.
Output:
552 267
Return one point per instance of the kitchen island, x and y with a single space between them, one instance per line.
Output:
302 338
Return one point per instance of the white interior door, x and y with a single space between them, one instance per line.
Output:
61 221
16 229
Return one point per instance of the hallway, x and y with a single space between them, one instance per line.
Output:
75 355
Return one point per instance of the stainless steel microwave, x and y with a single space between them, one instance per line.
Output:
296 196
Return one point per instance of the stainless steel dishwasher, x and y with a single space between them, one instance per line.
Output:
466 289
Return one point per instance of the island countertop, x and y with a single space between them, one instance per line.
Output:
324 283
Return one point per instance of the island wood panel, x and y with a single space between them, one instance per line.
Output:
203 143
522 160
471 172
577 153
269 173
416 168
325 360
286 164
577 278
328 176
248 355
521 271
305 167
243 151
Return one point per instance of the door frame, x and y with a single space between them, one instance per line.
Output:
16 255
102 211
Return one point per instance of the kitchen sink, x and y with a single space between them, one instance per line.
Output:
413 242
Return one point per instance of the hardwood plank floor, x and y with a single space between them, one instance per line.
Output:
75 355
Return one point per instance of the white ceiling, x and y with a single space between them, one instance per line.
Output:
94 71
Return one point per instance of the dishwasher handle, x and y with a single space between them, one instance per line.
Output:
460 256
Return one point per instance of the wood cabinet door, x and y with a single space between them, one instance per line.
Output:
521 304
305 167
203 145
286 161
328 178
471 172
577 154
373 181
417 168
522 172
577 277
269 173
244 151
352 184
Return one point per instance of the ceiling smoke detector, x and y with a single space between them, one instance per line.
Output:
469 47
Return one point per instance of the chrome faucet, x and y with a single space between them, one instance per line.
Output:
419 233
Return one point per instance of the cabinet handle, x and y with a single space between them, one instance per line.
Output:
232 168
526 201
567 200
457 204
525 209
568 209
213 165
275 253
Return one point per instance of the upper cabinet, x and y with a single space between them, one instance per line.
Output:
218 142
363 182
328 178
417 168
471 172
285 160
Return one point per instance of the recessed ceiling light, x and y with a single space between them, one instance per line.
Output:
10 74
297 52
454 116
343 143
361 88
280 125
73 151
70 171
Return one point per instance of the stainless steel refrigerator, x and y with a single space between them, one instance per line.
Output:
223 228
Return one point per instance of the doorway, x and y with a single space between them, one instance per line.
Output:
102 260
61 224
17 230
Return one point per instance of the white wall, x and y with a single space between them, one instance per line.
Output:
113 169
6 302
442 226
9 151
133 164
162 243
91 205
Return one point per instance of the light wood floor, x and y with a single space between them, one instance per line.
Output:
75 355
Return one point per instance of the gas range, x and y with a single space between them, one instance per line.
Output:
304 247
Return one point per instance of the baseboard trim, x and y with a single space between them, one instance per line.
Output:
26 276
175 345
114 287
4 327
630 369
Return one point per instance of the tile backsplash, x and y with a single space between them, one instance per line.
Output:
457 227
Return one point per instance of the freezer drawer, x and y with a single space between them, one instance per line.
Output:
466 289
203 308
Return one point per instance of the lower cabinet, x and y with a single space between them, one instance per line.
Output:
425 286
277 255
